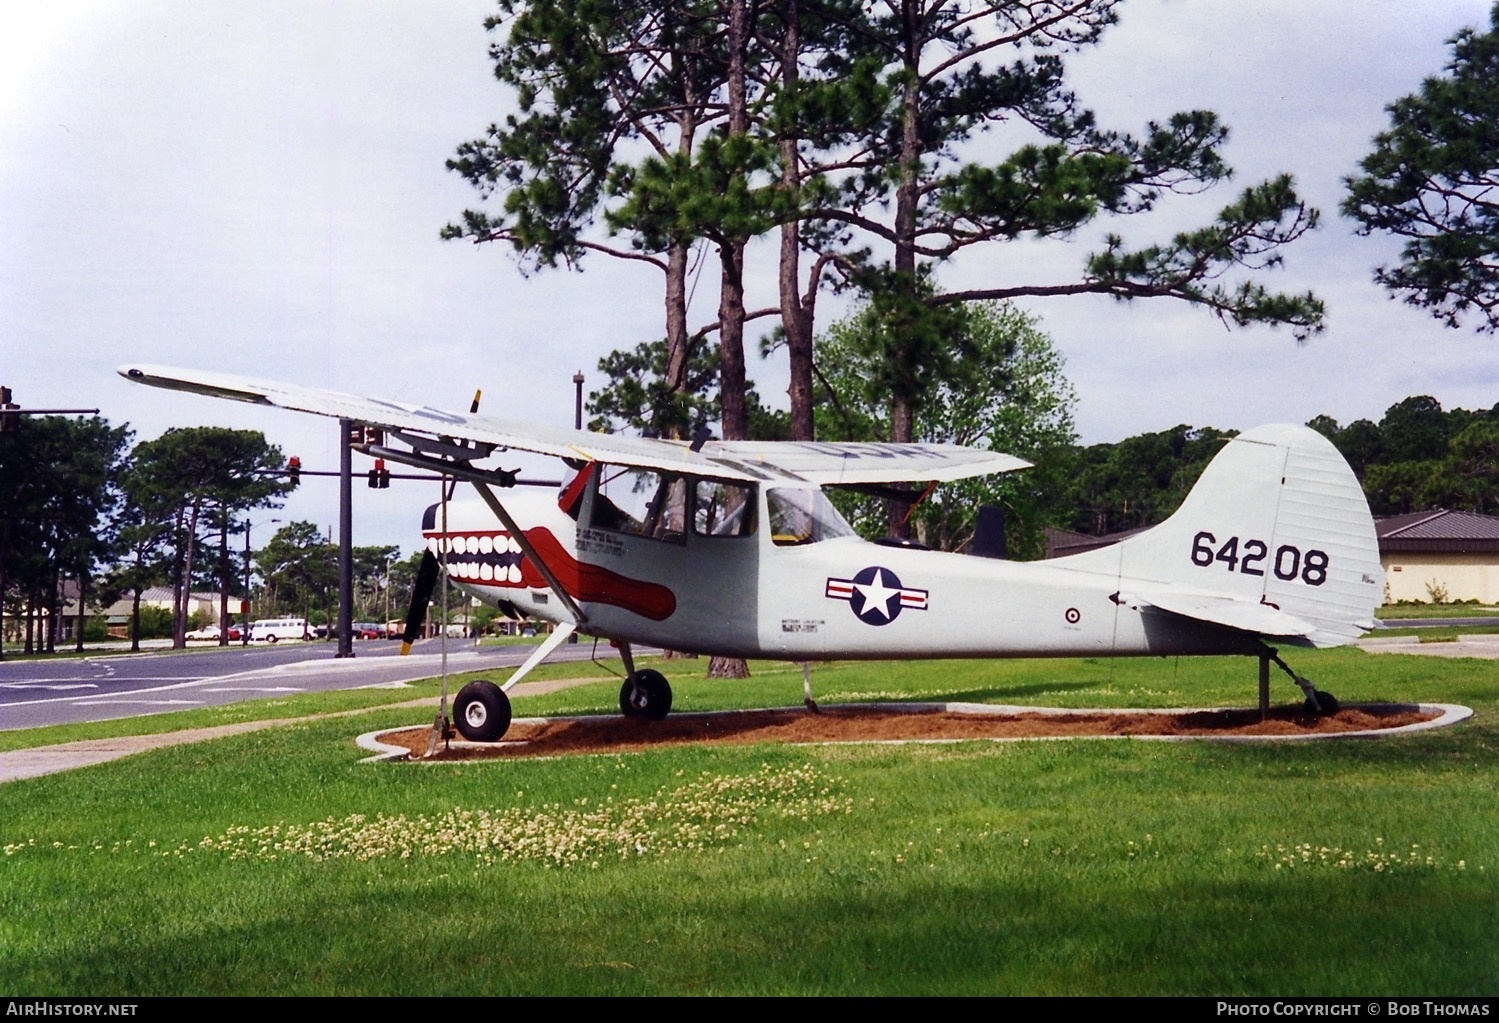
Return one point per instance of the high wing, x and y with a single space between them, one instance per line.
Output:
829 464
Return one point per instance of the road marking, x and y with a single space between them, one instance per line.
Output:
108 702
257 689
49 685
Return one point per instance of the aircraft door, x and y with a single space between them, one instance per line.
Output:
670 558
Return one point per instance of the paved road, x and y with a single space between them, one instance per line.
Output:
97 688
1434 623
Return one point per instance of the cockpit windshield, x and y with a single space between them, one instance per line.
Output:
801 516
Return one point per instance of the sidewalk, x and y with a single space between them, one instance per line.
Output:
16 765
1486 646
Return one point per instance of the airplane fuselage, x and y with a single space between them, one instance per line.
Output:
838 598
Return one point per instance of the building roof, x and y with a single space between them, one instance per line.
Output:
1062 542
1439 531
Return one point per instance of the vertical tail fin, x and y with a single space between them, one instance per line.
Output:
1275 539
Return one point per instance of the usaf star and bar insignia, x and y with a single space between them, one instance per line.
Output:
876 595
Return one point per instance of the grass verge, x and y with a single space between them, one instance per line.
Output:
275 863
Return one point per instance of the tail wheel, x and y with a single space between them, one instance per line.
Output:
482 712
645 694
1325 704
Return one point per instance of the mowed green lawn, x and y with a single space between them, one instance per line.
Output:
275 863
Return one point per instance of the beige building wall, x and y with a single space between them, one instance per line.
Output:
1464 576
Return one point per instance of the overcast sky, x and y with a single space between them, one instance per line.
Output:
259 187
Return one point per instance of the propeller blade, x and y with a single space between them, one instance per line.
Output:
421 596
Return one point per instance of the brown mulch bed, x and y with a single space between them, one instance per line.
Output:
872 724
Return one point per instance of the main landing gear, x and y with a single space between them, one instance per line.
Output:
482 710
645 694
1317 702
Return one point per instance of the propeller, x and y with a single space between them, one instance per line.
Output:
421 596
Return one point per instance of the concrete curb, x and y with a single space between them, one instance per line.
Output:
1447 714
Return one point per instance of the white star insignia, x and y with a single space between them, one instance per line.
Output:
877 595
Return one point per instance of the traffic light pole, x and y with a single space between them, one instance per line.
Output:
345 541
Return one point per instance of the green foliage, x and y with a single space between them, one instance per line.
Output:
846 126
638 398
189 478
59 488
1431 179
918 191
156 622
996 382
1139 481
1420 456
300 569
1248 234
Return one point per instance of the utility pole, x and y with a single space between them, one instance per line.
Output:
345 540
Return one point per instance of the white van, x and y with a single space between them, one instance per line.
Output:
270 630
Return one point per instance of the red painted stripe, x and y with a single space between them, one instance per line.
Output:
593 582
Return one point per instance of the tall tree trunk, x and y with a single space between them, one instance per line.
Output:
185 597
902 414
796 315
731 293
54 611
79 617
731 382
224 582
177 556
3 585
135 622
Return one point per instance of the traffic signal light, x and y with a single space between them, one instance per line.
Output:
360 435
294 469
379 476
8 416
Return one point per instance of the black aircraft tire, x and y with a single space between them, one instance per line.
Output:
482 712
1326 705
645 694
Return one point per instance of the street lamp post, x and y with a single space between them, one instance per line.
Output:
244 637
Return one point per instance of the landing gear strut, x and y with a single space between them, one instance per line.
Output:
1317 702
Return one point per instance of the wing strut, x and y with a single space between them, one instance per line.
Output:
579 618
557 638
481 480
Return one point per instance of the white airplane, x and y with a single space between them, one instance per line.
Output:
732 548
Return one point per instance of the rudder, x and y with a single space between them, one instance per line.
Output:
1277 521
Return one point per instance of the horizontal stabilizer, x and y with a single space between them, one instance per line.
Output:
1261 619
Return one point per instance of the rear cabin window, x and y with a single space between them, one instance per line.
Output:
803 516
723 509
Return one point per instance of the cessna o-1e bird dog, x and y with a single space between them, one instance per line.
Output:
732 548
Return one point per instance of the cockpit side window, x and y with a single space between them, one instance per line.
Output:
640 503
723 509
802 516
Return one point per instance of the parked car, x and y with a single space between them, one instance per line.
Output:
271 630
368 630
211 632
